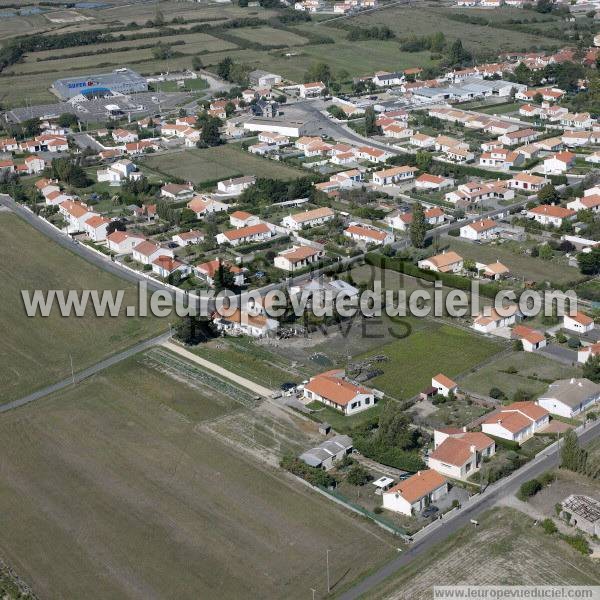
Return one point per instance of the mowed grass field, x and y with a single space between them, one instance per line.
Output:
415 359
509 550
534 373
270 36
220 162
35 351
113 490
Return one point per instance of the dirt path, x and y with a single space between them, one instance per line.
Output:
242 381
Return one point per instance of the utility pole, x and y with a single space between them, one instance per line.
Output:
328 584
72 370
313 593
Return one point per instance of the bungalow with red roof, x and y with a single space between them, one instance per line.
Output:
368 234
123 136
312 90
96 227
164 266
205 205
579 322
527 182
586 352
489 320
123 242
76 213
188 238
486 229
461 454
416 493
241 218
589 202
245 235
394 175
245 323
334 390
147 252
433 182
516 422
447 262
208 269
530 338
550 214
444 385
308 218
297 257
559 164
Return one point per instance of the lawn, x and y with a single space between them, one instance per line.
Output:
35 351
521 265
533 374
510 550
221 162
115 489
415 359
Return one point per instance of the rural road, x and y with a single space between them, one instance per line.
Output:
81 375
444 528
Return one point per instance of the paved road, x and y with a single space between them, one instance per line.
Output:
443 528
81 375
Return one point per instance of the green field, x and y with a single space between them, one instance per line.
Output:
521 265
510 550
221 162
35 351
115 489
270 36
414 360
534 374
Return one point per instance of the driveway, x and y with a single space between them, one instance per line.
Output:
560 354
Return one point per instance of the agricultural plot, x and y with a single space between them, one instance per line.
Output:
35 351
518 371
510 550
270 36
423 20
119 479
221 162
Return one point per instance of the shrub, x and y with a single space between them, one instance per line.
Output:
378 510
546 478
528 489
496 393
313 475
578 542
358 475
549 526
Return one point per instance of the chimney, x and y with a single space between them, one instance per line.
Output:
473 449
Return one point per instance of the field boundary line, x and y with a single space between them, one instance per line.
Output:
241 381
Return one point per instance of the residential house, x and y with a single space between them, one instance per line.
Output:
569 397
165 266
242 322
95 227
486 229
433 182
420 140
516 422
334 390
147 252
312 90
574 139
234 187
448 262
123 242
559 163
368 234
491 320
531 339
527 182
416 493
587 202
76 213
188 238
325 455
308 218
586 352
205 205
579 323
461 454
177 192
443 385
394 175
241 218
122 136
550 214
245 235
207 271
298 257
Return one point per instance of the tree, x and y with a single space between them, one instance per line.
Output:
458 54
591 368
209 133
159 18
162 51
224 67
423 160
319 72
545 252
68 120
371 127
548 194
418 226
113 226
223 279
197 63
358 475
395 428
522 73
192 329
572 456
589 264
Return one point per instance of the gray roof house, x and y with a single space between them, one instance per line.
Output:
569 397
327 453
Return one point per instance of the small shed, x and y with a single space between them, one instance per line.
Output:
324 428
383 484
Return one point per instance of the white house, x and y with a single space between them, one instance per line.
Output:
559 163
297 257
234 187
550 214
311 90
95 227
530 338
332 389
76 213
163 266
368 234
461 454
146 252
569 397
118 171
486 229
205 205
516 422
490 320
433 182
241 218
123 242
308 218
245 323
394 175
208 269
527 182
245 235
122 136
586 352
448 262
414 494
188 238
444 385
177 192
579 322
325 455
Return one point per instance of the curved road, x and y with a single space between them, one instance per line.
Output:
444 528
